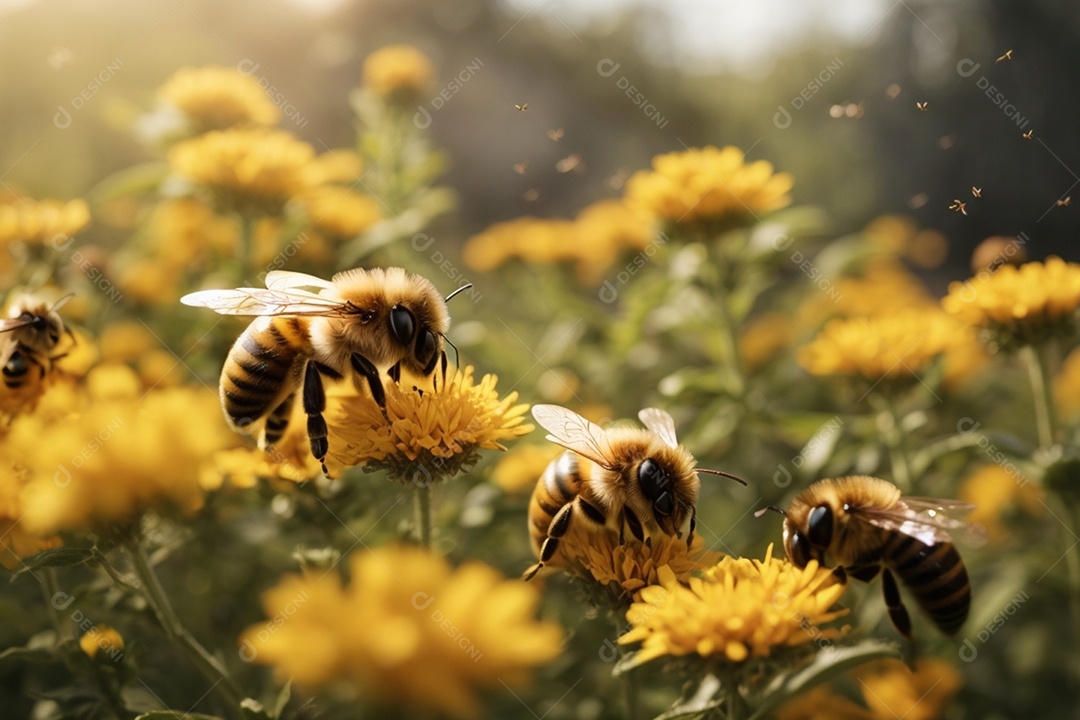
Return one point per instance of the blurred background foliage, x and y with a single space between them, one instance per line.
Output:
860 151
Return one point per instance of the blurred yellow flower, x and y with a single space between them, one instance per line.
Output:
253 171
409 631
738 609
993 490
289 459
125 340
522 467
339 212
150 281
423 436
42 222
706 185
1067 387
16 542
342 166
1023 305
765 337
187 235
627 567
822 703
397 70
891 234
896 346
216 98
891 690
103 638
106 459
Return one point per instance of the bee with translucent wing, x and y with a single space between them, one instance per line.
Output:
306 328
32 332
619 478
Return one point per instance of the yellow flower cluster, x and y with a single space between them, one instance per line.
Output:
41 222
423 435
592 242
704 186
994 490
216 98
102 454
250 171
408 630
738 609
290 459
523 466
896 346
764 338
397 70
340 213
1021 305
102 638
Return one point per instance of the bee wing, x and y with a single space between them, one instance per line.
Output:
13 324
660 423
573 432
924 519
288 280
257 301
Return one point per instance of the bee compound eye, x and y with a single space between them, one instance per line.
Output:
426 347
16 364
402 324
652 479
798 549
819 526
664 504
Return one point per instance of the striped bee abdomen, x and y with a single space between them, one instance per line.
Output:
557 487
262 368
936 575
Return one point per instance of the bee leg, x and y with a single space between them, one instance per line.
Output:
558 527
864 573
364 367
898 614
693 524
395 372
635 525
314 398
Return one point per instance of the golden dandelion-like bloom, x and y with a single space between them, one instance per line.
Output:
708 185
42 222
250 171
104 455
890 688
625 568
519 471
1021 305
821 703
423 436
408 630
397 71
215 98
16 541
896 346
334 167
102 638
531 239
339 212
738 609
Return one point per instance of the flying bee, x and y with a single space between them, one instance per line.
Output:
35 331
618 478
865 525
307 328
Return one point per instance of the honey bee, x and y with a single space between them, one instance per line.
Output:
631 478
865 525
35 332
366 321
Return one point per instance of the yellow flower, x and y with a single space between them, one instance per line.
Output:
126 340
149 281
16 542
216 98
707 185
339 212
48 223
342 166
625 568
107 458
408 630
531 239
602 231
104 638
892 690
519 471
738 609
1019 305
187 235
765 337
253 171
896 346
822 703
423 436
1067 387
993 490
397 70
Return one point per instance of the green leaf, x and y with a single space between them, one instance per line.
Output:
27 654
57 557
702 702
826 665
282 700
175 715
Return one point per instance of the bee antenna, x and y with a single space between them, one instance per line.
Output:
767 508
464 287
457 354
61 302
736 478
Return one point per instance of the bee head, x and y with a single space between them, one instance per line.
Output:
668 484
423 344
810 539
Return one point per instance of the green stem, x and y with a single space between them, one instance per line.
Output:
897 443
422 515
633 697
729 336
1035 359
51 588
207 664
735 705
246 240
